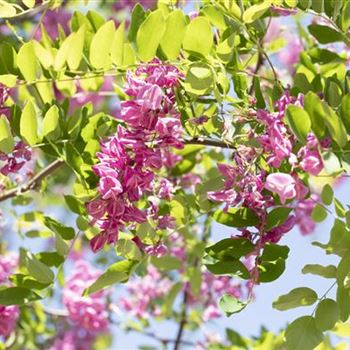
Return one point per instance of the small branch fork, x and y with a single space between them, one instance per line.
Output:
34 182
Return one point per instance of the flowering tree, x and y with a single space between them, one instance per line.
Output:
129 132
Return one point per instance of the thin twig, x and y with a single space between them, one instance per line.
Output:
33 183
211 143
183 322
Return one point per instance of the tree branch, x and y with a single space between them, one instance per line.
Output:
183 322
33 183
211 143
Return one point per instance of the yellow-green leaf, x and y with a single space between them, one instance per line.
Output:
149 35
101 46
51 123
199 37
172 39
6 138
29 124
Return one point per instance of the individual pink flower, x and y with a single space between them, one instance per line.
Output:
282 184
312 162
8 319
8 263
303 211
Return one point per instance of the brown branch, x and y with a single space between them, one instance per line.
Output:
33 183
183 322
211 143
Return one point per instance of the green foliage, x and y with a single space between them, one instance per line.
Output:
302 334
236 217
198 38
149 35
116 273
231 305
302 296
327 314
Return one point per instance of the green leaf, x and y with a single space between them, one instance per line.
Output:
76 48
137 16
313 107
345 110
230 305
65 232
319 213
116 273
255 12
324 34
236 339
28 124
166 263
44 55
29 3
299 121
38 270
236 217
199 37
27 62
75 205
327 314
343 270
339 242
6 139
329 271
100 47
302 334
229 248
64 51
149 35
7 10
321 114
339 208
234 267
128 249
277 217
117 48
327 194
199 79
51 259
17 296
302 296
51 127
345 16
26 281
172 39
343 300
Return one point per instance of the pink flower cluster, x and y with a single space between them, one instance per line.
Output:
246 184
15 161
74 339
11 163
212 288
87 312
8 263
8 319
128 160
8 314
144 292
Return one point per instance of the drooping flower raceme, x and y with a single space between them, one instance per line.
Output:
129 160
8 314
87 312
